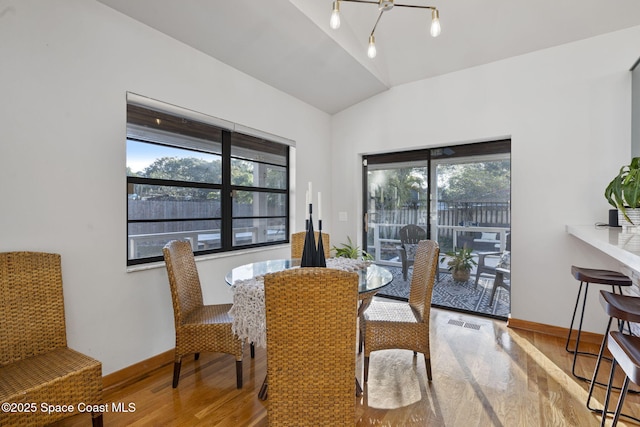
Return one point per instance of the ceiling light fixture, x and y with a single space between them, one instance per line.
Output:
384 6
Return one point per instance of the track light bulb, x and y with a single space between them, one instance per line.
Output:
334 23
435 23
371 52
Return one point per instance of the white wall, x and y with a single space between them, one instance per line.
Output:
65 68
567 110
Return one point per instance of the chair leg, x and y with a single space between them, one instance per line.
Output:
497 282
264 389
196 356
427 364
176 372
253 350
239 374
366 368
97 420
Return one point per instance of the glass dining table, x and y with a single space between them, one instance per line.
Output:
372 277
247 285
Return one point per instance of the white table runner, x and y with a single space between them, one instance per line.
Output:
248 302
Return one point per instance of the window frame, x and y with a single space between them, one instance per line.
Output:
227 189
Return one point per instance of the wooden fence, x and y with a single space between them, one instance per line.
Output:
385 225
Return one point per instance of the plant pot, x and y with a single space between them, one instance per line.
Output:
461 275
634 215
629 241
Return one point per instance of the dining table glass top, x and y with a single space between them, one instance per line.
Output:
372 277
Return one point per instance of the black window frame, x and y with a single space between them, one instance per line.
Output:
151 118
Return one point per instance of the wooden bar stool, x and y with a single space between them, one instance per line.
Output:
626 353
587 276
624 308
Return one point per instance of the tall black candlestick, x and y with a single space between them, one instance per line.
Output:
309 250
320 259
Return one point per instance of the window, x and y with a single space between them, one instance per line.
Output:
192 180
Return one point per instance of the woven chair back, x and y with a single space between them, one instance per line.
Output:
184 281
311 334
297 244
425 269
31 305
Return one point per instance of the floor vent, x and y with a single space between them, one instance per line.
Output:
464 324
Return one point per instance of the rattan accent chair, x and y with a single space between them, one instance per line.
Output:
36 366
311 332
199 327
404 325
297 244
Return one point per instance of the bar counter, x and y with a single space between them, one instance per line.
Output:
623 245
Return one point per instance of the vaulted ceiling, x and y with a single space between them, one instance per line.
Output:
288 43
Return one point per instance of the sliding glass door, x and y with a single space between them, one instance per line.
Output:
460 196
396 194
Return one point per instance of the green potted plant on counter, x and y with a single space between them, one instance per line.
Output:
623 193
460 262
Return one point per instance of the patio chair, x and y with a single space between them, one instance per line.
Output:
410 235
405 325
487 262
297 244
499 268
496 264
36 366
311 331
199 327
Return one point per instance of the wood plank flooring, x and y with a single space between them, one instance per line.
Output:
484 374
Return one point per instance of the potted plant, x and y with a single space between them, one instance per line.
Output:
460 262
350 250
623 192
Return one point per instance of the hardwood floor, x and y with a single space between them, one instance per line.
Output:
484 374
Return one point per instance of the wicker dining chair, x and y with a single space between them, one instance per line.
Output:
36 366
311 331
404 325
297 244
199 327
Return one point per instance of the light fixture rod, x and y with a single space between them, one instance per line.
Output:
395 4
376 24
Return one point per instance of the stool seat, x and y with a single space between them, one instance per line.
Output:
625 350
587 276
623 307
603 277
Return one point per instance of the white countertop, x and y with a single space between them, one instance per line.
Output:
620 244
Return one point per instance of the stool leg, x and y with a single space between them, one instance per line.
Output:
608 395
573 318
576 352
623 394
597 368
